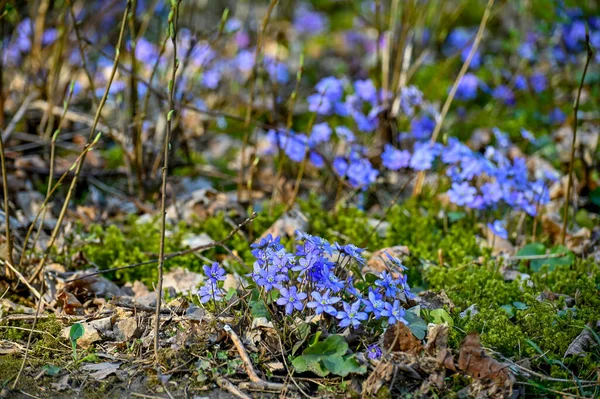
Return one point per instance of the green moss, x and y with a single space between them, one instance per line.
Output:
532 326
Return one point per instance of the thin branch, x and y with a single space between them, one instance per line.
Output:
173 16
256 381
590 54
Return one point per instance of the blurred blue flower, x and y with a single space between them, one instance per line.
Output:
538 82
395 159
462 194
421 128
504 94
467 87
499 229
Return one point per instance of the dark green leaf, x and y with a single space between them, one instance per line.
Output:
416 324
76 332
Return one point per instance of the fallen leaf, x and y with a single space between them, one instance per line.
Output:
473 360
69 303
182 280
399 338
101 370
583 342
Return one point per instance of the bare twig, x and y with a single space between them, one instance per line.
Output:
229 387
534 257
72 186
22 279
590 53
18 116
173 16
450 98
256 381
79 165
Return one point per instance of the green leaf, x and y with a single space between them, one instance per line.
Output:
343 366
440 316
552 263
328 356
230 293
455 216
76 332
259 309
520 305
331 346
416 324
51 369
535 248
509 310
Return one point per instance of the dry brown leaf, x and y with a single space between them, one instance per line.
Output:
477 363
398 338
69 303
582 343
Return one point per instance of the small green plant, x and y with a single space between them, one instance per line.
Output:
328 356
75 333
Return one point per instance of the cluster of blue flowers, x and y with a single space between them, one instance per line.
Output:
317 279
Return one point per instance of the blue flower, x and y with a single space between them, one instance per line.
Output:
386 281
410 97
467 87
396 262
557 117
421 128
309 22
210 291
323 303
352 251
345 133
214 272
394 159
395 313
270 278
520 82
321 133
331 88
504 94
462 194
422 158
291 299
374 351
499 229
351 315
538 82
374 304
366 90
319 104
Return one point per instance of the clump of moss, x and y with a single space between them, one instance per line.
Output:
417 225
513 321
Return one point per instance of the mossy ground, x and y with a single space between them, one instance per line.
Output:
510 319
